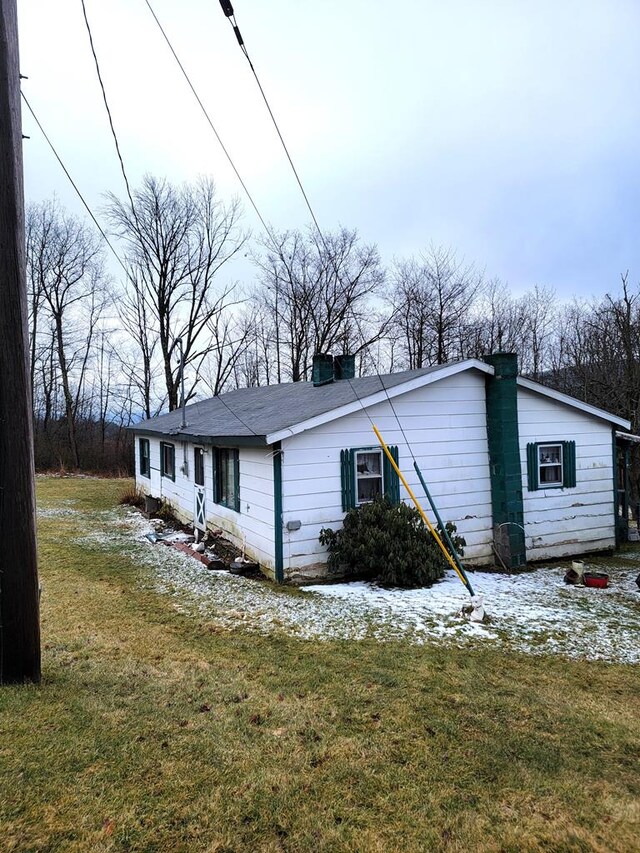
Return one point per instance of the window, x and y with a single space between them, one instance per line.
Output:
167 460
369 482
226 478
145 457
551 465
198 466
366 474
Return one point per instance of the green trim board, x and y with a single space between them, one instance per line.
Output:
504 459
277 513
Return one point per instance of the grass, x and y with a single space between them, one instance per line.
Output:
153 730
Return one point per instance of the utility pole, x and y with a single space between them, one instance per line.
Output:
19 606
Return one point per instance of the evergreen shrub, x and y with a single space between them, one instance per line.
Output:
387 543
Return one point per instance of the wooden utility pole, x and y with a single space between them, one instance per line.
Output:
19 608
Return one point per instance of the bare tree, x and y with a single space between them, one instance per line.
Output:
433 297
317 293
177 240
67 278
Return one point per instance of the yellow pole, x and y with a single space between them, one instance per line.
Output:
415 500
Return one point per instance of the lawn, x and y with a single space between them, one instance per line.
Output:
164 725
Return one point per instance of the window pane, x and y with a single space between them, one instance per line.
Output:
549 454
198 466
168 457
369 489
223 474
145 466
226 486
550 473
369 463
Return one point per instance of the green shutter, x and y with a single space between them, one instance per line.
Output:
391 479
532 467
347 478
569 464
236 480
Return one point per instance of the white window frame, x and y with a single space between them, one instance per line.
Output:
357 476
554 484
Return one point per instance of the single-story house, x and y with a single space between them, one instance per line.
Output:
525 472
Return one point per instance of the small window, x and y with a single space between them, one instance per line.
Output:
145 457
198 466
226 478
168 460
551 465
366 474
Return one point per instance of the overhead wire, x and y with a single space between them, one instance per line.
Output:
75 186
106 106
121 159
229 13
227 8
208 119
101 230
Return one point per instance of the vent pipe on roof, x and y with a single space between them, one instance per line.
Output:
183 420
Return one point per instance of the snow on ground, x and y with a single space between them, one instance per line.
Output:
535 612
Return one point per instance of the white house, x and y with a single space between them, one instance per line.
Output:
526 473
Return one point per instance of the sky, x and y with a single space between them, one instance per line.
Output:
508 131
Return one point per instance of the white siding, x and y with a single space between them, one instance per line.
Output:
562 522
253 525
445 425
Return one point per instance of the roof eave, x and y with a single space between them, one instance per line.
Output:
215 440
572 401
379 397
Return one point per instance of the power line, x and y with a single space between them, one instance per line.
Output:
102 232
227 8
75 186
209 121
106 105
229 13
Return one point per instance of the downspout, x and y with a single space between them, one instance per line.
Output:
277 513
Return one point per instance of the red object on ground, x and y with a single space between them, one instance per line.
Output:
596 579
187 550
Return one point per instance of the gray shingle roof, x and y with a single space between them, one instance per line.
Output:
258 412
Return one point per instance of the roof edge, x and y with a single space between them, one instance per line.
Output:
215 440
537 388
444 372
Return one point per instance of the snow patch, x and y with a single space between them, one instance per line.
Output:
534 612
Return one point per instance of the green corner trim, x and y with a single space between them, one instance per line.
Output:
277 512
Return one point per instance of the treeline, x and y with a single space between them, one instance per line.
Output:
106 347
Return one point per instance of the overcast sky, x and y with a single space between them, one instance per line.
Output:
506 130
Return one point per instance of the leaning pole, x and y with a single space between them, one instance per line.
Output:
19 606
